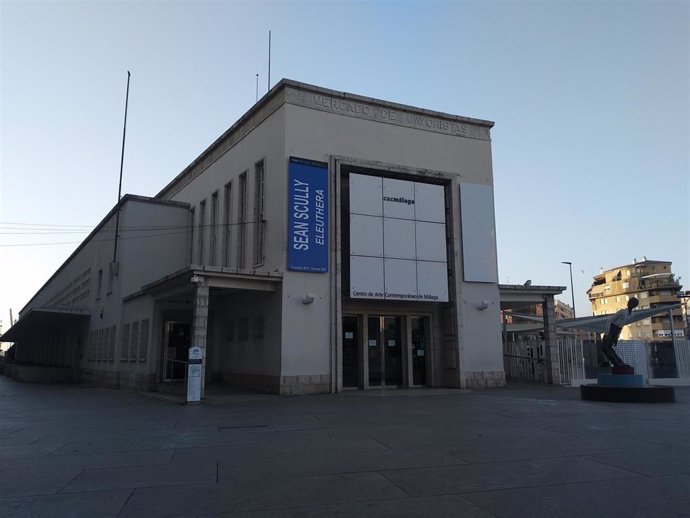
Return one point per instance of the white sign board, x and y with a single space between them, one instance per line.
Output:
479 256
397 240
194 372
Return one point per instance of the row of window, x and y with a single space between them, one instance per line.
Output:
640 295
134 343
77 290
207 227
241 334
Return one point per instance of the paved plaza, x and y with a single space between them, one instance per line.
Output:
524 451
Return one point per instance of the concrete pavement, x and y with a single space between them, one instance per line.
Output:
524 451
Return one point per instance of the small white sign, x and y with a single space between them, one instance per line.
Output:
372 343
194 388
391 343
420 352
349 335
194 369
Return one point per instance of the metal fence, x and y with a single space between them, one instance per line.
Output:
581 359
525 360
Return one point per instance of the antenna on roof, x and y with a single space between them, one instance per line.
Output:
257 87
269 60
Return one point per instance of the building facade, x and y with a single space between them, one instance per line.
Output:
325 241
654 285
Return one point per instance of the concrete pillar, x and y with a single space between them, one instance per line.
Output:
551 342
200 326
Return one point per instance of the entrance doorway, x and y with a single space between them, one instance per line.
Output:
385 351
351 363
176 346
384 346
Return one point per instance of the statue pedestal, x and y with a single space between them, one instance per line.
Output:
626 388
621 380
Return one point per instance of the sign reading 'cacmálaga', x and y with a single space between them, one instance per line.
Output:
308 216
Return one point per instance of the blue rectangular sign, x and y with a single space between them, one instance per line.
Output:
308 216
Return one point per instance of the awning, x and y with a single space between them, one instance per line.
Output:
600 323
42 318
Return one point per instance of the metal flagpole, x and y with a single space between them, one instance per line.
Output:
122 159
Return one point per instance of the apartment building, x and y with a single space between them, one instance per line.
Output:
654 285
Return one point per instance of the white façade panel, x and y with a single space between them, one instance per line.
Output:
431 241
400 279
366 194
432 281
366 277
478 233
429 202
366 235
398 238
398 199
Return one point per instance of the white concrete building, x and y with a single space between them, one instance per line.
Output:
325 241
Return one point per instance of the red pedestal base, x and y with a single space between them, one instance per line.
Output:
622 369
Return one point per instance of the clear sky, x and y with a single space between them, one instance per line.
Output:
591 102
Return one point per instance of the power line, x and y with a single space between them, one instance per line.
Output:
182 230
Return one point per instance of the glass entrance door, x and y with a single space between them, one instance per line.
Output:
350 352
385 347
419 327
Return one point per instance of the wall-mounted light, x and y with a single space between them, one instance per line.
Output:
196 279
484 304
308 298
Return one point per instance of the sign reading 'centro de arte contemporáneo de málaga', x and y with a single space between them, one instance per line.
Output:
308 216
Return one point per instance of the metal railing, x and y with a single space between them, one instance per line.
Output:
581 360
525 360
175 370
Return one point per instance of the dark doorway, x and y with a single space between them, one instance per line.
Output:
385 351
350 352
177 344
420 340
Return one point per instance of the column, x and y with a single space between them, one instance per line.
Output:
551 342
200 326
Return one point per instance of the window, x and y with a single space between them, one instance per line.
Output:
213 228
644 294
243 329
258 328
227 211
259 187
229 330
627 273
618 299
200 233
111 344
134 341
191 235
124 343
626 285
242 220
99 286
112 271
93 342
102 343
144 340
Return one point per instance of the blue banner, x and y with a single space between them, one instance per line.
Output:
308 216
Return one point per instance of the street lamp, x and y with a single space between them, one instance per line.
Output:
572 292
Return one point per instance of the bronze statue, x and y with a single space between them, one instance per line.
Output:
619 321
